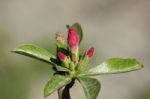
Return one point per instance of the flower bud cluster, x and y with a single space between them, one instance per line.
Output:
68 53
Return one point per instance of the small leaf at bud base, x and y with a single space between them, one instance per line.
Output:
82 62
90 53
72 66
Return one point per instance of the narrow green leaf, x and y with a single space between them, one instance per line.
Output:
56 82
79 30
115 65
34 52
91 87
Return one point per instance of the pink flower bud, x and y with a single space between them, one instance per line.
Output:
90 52
61 56
73 39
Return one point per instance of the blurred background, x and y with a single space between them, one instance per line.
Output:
116 28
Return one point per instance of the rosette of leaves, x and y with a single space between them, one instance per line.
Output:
69 65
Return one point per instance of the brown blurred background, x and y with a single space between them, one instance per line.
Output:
116 28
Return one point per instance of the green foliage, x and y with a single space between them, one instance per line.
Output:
113 66
65 77
56 82
91 87
34 52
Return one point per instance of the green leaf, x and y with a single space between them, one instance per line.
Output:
56 82
114 65
34 52
79 30
91 87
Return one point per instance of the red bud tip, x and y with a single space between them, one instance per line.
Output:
61 56
73 39
90 52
